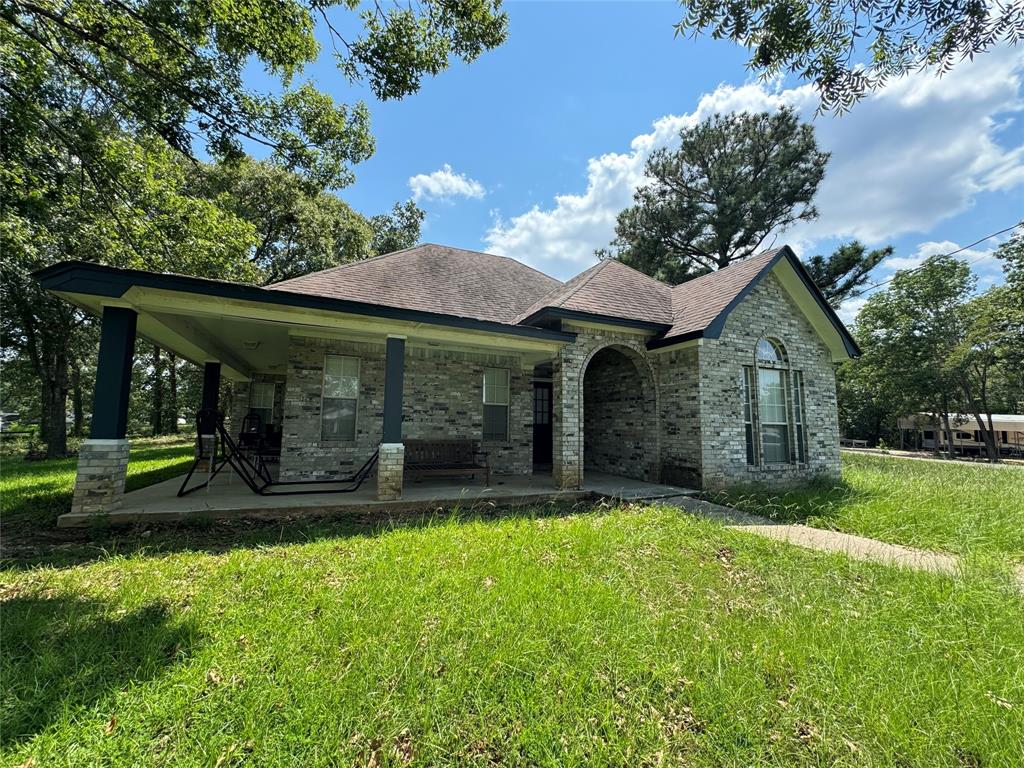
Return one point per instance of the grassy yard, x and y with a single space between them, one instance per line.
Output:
634 636
960 508
566 636
34 493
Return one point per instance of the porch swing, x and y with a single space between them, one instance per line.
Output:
216 449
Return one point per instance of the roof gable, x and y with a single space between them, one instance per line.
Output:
432 278
702 305
610 289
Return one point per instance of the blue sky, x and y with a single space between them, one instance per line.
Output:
532 149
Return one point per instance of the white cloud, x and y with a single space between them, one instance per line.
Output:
444 184
934 248
906 158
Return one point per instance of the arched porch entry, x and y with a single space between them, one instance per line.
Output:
619 414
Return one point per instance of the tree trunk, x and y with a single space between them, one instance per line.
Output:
172 394
54 406
947 428
78 428
156 403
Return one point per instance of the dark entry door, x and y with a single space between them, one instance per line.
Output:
542 422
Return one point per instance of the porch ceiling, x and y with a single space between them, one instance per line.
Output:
248 333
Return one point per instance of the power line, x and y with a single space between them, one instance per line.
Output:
867 288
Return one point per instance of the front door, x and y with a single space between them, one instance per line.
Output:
542 423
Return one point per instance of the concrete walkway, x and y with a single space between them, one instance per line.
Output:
857 547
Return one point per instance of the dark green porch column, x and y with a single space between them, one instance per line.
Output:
113 374
211 386
394 383
103 458
391 455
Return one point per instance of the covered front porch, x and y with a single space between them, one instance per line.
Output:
331 383
228 497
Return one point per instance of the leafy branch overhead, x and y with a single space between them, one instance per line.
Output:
175 70
848 48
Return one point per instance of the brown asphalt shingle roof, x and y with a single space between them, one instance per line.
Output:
453 281
696 303
433 278
611 288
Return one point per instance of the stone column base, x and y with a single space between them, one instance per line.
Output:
566 476
390 465
99 485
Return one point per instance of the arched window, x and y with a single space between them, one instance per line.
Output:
773 407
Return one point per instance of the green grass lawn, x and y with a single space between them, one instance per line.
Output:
34 493
587 636
626 637
954 507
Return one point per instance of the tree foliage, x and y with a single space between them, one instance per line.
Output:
734 180
176 70
841 274
848 49
397 230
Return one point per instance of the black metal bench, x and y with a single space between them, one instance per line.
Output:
447 458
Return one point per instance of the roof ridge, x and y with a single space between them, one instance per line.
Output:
494 256
634 269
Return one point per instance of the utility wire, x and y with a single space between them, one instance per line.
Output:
867 288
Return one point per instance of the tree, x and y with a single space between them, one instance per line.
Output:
846 270
397 230
908 331
733 181
175 71
301 228
849 49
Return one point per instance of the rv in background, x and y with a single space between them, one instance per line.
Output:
924 431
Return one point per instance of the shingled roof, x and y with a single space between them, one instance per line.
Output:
697 303
610 289
433 278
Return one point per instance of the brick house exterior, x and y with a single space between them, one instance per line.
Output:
726 379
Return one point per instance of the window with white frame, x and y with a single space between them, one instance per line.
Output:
773 408
340 398
261 401
496 399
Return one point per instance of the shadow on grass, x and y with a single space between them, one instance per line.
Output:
64 653
65 547
823 499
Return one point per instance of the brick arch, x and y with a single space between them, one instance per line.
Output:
618 411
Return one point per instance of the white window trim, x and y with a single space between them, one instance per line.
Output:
789 377
323 390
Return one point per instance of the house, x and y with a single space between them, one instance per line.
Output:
924 431
725 379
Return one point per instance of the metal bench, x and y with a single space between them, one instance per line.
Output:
448 458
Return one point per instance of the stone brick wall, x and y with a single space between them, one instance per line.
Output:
678 378
618 417
443 398
99 485
568 416
390 468
767 311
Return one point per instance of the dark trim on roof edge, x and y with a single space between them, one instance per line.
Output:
558 313
113 282
714 328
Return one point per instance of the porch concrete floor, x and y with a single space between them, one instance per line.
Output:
229 497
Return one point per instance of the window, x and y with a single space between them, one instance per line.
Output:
771 396
261 401
798 417
748 413
773 408
496 404
770 352
340 398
